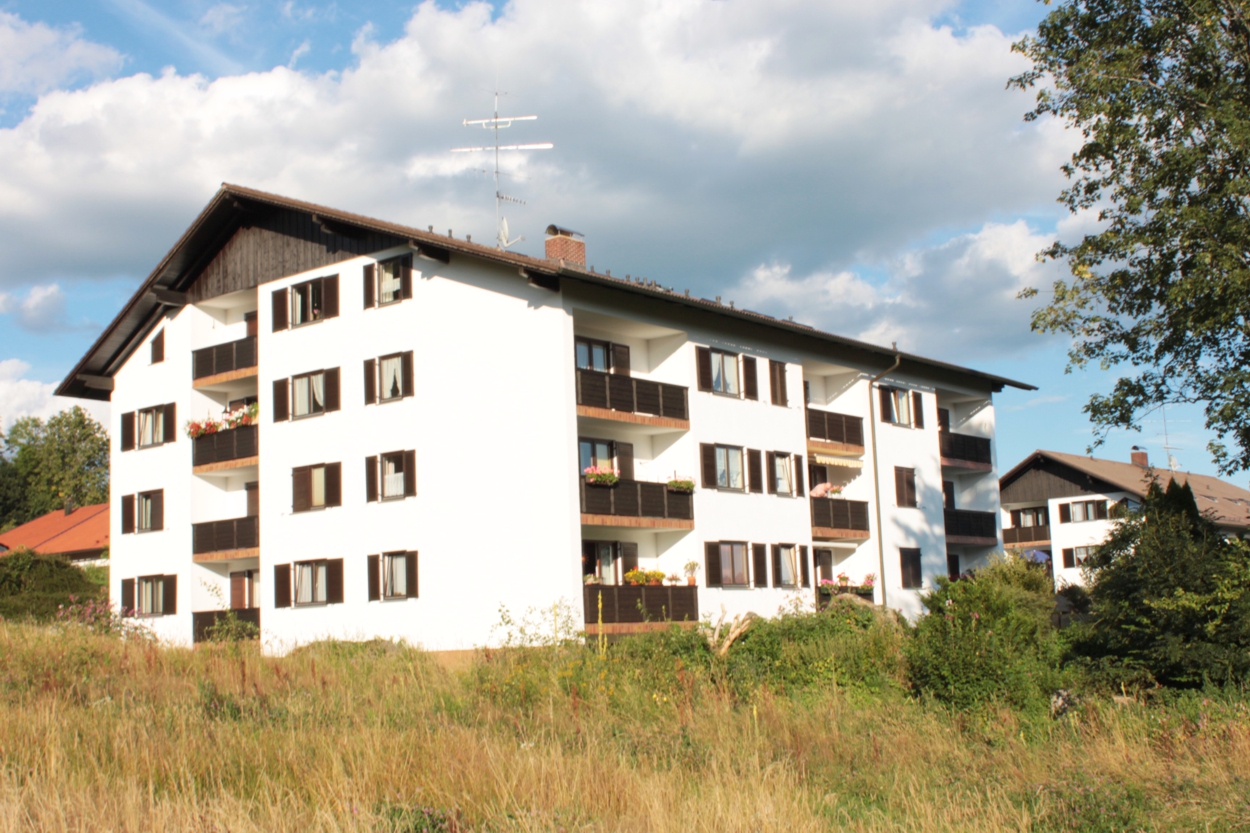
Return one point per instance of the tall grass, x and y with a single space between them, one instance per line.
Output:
100 733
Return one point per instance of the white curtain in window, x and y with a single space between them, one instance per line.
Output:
145 512
607 565
392 385
389 287
902 407
151 426
396 583
299 302
318 478
318 381
304 579
151 595
724 373
787 566
735 468
301 389
781 474
392 476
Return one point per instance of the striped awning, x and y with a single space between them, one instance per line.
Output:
847 462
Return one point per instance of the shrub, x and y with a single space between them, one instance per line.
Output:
36 586
988 638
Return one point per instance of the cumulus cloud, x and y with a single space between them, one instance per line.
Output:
35 57
20 397
222 18
41 311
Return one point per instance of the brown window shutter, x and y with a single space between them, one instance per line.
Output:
406 381
332 389
1069 558
798 475
375 578
629 556
909 562
334 484
620 359
944 419
625 459
410 566
909 482
301 489
703 357
158 347
128 597
900 489
330 297
371 381
128 514
1015 513
777 370
171 422
282 585
750 378
707 456
1065 513
712 551
410 473
170 595
887 404
128 431
281 310
253 327
371 479
238 590
917 409
776 566
370 285
755 471
1100 510
770 471
334 581
405 277
158 509
805 569
281 405
759 558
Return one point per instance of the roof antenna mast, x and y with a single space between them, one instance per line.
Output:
496 124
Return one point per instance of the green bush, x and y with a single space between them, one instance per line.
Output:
35 586
988 638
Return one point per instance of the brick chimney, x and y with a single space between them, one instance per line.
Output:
566 244
1140 458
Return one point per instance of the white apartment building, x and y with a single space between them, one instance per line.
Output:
1064 505
426 410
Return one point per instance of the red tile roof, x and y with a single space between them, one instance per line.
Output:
83 533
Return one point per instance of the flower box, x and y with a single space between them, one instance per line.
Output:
601 476
681 485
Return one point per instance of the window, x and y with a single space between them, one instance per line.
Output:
784 565
309 394
729 468
392 475
597 453
155 596
395 575
144 512
909 562
777 382
158 347
1030 517
905 487
593 355
390 376
316 487
727 564
151 426
1075 556
310 582
307 303
244 589
902 407
952 565
144 506
390 283
948 494
151 601
779 473
724 373
1082 510
609 560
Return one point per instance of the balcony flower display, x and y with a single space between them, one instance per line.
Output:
685 485
602 475
868 580
826 586
645 576
844 579
826 490
235 419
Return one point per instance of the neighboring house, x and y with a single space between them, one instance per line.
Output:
427 406
80 534
1064 504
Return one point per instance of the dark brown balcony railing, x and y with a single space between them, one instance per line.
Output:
627 604
617 392
224 357
226 445
836 513
964 447
636 499
1026 534
233 534
838 428
968 523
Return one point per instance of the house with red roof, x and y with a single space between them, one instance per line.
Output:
81 534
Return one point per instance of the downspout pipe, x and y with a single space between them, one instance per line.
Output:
876 469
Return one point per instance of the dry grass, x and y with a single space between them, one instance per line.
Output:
98 733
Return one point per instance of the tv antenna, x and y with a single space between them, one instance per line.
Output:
497 123
1168 448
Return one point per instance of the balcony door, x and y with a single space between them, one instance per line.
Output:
609 560
611 454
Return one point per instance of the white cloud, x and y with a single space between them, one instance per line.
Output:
35 57
222 18
21 397
42 310
299 52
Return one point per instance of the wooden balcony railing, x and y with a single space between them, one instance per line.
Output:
636 499
836 513
233 534
628 604
837 428
203 620
234 444
964 447
617 392
1026 534
223 358
968 523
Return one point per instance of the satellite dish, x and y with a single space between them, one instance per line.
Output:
504 242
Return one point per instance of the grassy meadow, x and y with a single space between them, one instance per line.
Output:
810 728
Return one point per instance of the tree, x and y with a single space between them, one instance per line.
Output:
46 465
1160 90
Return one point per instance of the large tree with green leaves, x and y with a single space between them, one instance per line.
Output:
1160 92
45 465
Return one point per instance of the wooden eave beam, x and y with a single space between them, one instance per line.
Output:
429 252
168 297
96 382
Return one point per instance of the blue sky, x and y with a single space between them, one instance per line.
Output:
861 167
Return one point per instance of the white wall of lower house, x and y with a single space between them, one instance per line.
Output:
1078 534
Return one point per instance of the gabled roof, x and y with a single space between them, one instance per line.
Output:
1228 505
84 532
233 206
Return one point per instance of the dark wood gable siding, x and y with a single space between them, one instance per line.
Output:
278 244
1046 479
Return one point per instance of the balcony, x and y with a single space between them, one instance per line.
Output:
201 621
226 450
835 519
632 503
629 609
222 540
215 366
833 433
966 526
1027 535
964 451
621 398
